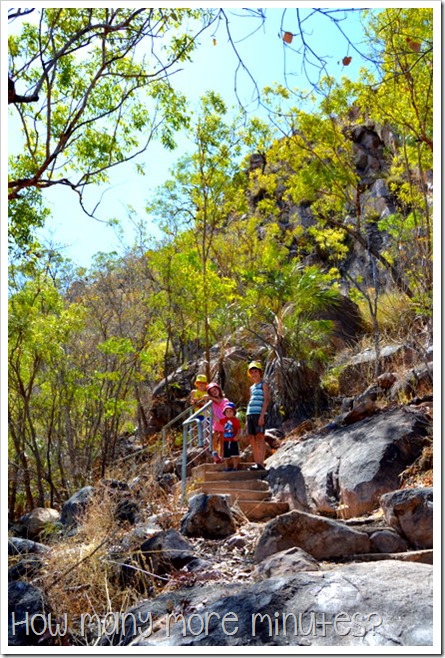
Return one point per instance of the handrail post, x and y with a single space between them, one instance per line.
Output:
184 463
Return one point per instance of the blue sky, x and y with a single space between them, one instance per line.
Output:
213 67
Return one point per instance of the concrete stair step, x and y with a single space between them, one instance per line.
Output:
212 472
251 484
211 466
237 494
266 509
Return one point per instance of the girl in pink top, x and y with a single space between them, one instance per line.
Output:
219 402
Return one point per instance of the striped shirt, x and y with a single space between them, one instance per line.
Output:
256 401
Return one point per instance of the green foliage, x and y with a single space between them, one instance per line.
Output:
97 92
86 348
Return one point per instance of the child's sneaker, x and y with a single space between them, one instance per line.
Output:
216 458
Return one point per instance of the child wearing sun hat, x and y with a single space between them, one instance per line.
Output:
256 413
198 397
215 394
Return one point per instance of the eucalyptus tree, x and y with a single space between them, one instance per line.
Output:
90 88
41 327
198 200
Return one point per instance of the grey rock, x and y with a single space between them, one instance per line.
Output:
25 601
127 510
37 522
209 516
385 541
25 569
386 603
73 509
286 563
20 546
347 469
357 369
166 551
322 538
410 512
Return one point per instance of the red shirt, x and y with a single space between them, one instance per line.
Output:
229 428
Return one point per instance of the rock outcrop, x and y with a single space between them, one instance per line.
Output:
322 538
344 471
367 605
410 512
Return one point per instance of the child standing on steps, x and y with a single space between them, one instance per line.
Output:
215 394
198 397
229 426
256 414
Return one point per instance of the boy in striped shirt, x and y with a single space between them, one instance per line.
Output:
256 414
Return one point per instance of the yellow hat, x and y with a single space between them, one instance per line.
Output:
201 378
255 364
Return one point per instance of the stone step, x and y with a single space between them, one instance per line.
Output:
203 472
237 494
210 466
251 484
266 509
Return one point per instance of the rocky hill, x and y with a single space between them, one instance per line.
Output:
346 560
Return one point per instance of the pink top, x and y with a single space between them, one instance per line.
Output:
217 409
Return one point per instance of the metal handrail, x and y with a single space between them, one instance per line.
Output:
187 425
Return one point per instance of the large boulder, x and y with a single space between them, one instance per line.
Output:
322 538
345 471
410 512
387 541
209 516
363 605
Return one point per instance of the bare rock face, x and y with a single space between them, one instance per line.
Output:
410 512
209 516
320 537
355 373
348 468
368 604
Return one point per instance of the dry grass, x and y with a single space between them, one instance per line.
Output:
419 474
395 315
83 575
79 578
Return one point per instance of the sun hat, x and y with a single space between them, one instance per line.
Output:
255 364
229 405
214 385
201 378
